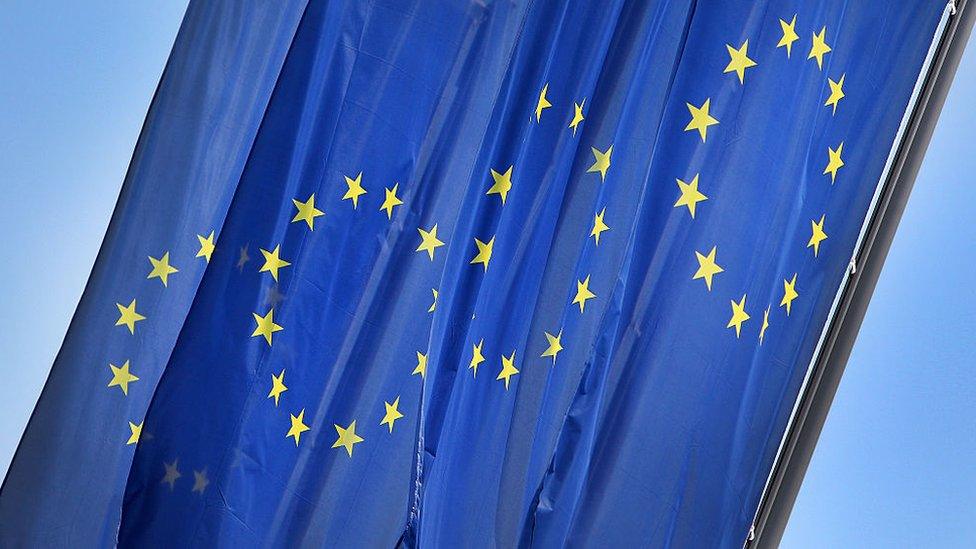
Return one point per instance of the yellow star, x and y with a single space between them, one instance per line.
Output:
307 211
818 235
200 481
502 184
272 262
789 293
836 92
206 246
266 325
128 316
601 162
765 324
391 200
834 161
429 241
819 48
583 292
484 252
543 103
277 386
392 414
135 431
297 426
578 115
700 119
707 268
172 473
789 35
161 268
421 365
599 226
121 377
555 345
433 305
476 358
739 315
690 195
739 60
347 437
508 369
355 189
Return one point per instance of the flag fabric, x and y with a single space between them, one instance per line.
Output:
448 274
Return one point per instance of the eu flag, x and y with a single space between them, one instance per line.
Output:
440 274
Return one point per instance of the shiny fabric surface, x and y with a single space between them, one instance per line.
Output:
555 386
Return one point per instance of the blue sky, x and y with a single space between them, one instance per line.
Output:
896 464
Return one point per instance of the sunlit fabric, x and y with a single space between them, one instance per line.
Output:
483 274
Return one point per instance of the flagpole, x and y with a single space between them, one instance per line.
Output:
810 411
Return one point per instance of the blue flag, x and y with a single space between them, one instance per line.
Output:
444 274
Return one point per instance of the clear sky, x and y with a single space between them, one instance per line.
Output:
896 464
